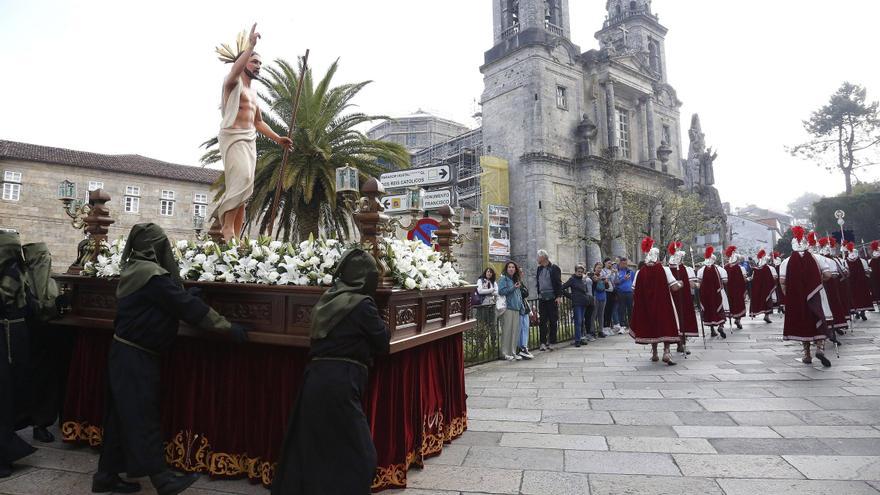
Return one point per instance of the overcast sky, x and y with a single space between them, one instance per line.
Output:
141 77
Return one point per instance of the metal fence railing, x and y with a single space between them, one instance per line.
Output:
481 343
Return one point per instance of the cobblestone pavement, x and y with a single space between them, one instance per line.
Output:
741 417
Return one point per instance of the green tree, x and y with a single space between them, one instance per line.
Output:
844 133
783 245
325 138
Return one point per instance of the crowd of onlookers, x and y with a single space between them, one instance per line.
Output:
601 302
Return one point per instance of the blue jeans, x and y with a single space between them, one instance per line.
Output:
578 312
524 331
624 307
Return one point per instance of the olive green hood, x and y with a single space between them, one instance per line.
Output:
355 280
147 253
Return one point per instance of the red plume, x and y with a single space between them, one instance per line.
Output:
729 251
761 254
811 238
672 248
709 252
832 242
776 254
875 245
850 246
798 233
823 242
647 244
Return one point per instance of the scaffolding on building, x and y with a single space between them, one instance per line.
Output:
462 153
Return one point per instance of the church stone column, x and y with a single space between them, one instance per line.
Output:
593 228
618 242
649 116
611 111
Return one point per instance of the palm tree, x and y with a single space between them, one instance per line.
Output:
325 138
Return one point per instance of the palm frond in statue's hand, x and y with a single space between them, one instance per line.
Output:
228 55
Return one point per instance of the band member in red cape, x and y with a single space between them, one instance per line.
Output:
780 298
736 285
807 313
654 319
713 298
859 283
684 298
874 265
764 279
839 311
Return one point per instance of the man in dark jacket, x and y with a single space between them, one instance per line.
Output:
549 285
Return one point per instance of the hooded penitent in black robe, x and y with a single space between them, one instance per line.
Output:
50 345
328 448
15 304
151 302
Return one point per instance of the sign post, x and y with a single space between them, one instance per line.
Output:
423 176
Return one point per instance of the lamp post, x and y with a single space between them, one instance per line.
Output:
476 226
75 208
414 196
198 224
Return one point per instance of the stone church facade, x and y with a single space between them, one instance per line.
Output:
578 127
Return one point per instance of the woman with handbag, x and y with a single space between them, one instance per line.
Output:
509 305
524 322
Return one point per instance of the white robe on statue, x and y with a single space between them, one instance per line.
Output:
238 149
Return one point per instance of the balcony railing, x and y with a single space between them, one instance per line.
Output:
510 32
554 29
617 18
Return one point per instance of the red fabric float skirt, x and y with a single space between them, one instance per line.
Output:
225 407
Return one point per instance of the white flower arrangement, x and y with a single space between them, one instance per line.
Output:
413 264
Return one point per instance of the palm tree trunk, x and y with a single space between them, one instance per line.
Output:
307 221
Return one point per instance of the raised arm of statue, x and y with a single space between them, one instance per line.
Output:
241 62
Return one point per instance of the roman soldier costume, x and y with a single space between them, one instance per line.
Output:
654 318
713 298
763 295
684 299
736 285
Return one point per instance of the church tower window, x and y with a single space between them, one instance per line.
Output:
561 98
654 55
623 132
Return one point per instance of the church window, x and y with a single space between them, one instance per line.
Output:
654 55
618 9
410 140
632 6
623 132
561 98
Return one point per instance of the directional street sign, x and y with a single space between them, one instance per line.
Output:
424 176
395 203
433 200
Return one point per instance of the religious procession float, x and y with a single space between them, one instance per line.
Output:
225 406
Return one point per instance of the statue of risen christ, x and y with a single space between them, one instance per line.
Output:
238 138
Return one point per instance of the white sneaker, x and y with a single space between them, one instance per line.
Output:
617 326
543 347
526 354
517 357
509 358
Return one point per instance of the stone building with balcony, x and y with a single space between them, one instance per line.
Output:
417 131
141 189
579 127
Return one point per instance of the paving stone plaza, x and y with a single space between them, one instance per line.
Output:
740 417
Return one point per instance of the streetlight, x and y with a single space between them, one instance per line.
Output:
76 209
198 223
414 197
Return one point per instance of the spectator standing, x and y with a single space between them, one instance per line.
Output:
549 279
508 289
599 295
579 289
609 274
625 278
524 323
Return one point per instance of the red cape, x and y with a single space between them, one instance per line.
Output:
780 297
804 318
710 297
736 291
653 316
763 286
874 265
684 303
862 300
839 310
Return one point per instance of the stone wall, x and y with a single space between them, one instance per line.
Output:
38 214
